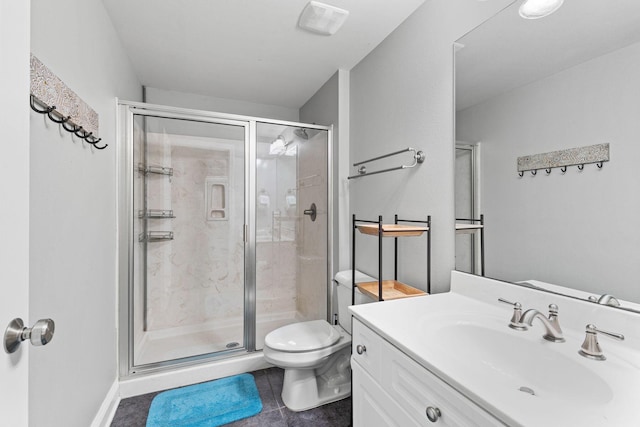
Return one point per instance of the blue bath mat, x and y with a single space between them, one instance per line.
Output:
209 404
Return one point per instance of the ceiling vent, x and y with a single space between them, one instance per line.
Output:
322 18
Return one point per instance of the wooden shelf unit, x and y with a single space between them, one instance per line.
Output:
391 289
384 290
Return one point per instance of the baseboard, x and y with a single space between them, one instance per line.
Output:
149 383
108 408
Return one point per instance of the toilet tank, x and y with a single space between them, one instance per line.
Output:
343 280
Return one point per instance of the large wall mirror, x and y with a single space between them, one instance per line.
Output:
523 87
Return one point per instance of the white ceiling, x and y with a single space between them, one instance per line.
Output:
508 52
250 50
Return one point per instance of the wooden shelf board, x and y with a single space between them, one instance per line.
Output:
392 230
468 228
391 289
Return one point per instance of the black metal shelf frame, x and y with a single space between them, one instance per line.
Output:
397 221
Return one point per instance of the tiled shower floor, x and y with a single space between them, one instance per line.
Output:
132 412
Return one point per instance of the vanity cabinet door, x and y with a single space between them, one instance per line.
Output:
372 407
416 389
366 348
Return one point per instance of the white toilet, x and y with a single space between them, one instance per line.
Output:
316 355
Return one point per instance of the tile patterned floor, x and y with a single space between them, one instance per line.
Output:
133 412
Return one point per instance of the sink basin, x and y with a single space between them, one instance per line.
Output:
522 359
463 338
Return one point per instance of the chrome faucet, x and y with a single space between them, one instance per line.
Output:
553 331
516 318
606 299
590 347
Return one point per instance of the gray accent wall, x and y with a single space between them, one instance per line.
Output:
574 229
402 96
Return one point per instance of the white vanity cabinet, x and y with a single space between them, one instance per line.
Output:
391 389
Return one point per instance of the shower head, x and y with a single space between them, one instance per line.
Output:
301 133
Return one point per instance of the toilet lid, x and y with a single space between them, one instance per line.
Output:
303 336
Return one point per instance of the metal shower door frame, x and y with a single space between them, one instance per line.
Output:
125 173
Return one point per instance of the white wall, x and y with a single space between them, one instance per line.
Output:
401 96
73 216
573 229
220 105
14 215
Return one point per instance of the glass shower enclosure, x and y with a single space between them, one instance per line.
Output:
224 233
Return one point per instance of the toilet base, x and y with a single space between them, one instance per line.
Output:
309 388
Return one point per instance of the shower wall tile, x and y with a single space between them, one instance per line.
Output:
199 276
275 278
312 242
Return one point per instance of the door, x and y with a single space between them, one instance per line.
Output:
292 225
188 271
14 188
467 179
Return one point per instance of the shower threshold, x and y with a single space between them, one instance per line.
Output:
179 343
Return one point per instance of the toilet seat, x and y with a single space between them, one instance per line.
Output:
303 337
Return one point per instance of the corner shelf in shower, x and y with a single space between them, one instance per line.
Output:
157 170
156 214
384 290
156 236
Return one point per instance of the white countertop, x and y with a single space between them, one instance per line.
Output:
570 389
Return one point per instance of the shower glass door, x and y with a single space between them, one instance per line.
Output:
291 245
465 206
189 208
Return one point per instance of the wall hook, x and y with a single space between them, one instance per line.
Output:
521 174
534 172
563 170
47 110
580 167
599 164
548 171
80 129
72 129
58 121
93 140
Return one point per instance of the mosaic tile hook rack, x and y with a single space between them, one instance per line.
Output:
561 159
50 96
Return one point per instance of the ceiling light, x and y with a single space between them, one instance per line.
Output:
322 18
534 9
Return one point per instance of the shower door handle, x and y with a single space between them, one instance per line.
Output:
312 211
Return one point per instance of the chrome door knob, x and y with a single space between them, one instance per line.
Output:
360 349
433 414
40 334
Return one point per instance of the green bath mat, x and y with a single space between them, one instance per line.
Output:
209 404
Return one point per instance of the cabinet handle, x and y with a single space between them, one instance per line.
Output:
360 349
433 414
